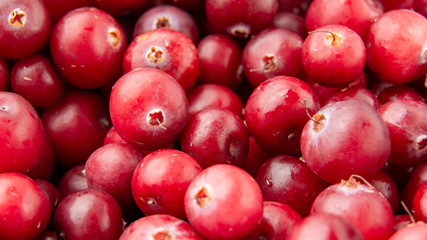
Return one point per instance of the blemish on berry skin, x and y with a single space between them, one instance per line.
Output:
155 55
114 38
3 108
202 197
163 235
269 63
421 143
163 22
318 122
17 18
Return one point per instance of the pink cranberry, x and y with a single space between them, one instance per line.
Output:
414 231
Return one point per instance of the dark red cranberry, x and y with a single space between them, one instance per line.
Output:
357 15
292 22
287 180
148 107
123 7
213 95
160 227
359 93
417 177
88 214
256 157
87 46
47 235
277 222
412 232
170 17
325 226
220 61
389 5
401 221
160 181
167 50
112 137
362 205
214 136
72 180
420 6
36 80
294 6
399 175
272 52
58 8
419 201
399 92
4 75
21 134
214 194
385 184
395 45
76 126
51 192
25 27
241 18
44 166
361 141
407 125
25 209
276 113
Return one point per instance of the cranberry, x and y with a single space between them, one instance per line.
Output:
218 191
160 227
192 6
401 221
167 50
414 231
47 235
256 157
148 107
396 46
325 226
88 214
292 22
420 6
398 92
272 52
220 61
4 75
72 180
361 141
160 181
417 177
44 166
407 125
294 6
113 137
58 8
276 113
362 205
21 133
36 79
241 18
203 140
389 5
25 27
385 184
25 209
359 93
419 202
357 15
87 46
170 17
288 180
76 125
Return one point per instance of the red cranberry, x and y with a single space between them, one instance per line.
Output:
398 92
272 52
87 46
88 214
361 141
288 180
160 181
215 193
160 227
295 6
385 184
72 180
241 18
44 166
401 221
36 79
389 5
407 125
25 209
359 93
4 75
25 27
76 125
51 192
58 8
396 49
203 140
292 22
167 50
21 134
417 177
123 7
256 157
416 231
170 17
276 113
148 108
112 137
420 6
325 226
362 205
220 61
419 201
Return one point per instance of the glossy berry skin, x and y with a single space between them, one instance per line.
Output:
333 55
88 214
256 157
361 141
398 40
167 50
417 177
385 184
58 9
51 192
36 79
43 168
363 206
21 133
216 192
276 113
407 125
160 181
272 52
325 226
148 108
87 46
76 125
359 93
292 22
160 226
416 231
4 75
214 136
24 28
419 202
288 180
25 209
241 18
73 180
